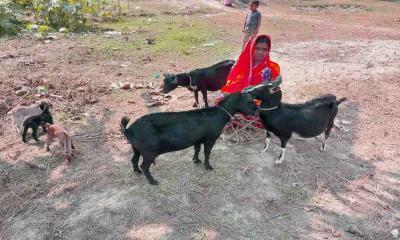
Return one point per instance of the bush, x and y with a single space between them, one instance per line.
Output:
10 16
60 13
52 14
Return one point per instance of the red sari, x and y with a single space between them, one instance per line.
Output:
244 74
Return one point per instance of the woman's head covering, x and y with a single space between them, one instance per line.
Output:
244 74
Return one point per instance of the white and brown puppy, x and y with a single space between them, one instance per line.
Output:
64 139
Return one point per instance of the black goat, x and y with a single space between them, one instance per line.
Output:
158 133
200 80
35 121
309 119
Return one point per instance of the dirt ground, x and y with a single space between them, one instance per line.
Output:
350 191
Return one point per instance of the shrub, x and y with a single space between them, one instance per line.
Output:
60 13
10 18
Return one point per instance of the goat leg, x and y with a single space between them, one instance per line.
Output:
196 98
135 161
267 142
145 166
205 98
281 156
325 139
327 133
283 150
196 153
207 151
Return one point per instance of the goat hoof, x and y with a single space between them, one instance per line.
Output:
194 105
196 161
264 150
278 161
137 171
208 167
153 182
322 148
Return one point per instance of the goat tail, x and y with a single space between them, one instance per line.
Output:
124 123
341 100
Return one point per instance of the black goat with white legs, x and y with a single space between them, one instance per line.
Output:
158 133
200 80
309 119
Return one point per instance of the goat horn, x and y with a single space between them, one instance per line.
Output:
277 81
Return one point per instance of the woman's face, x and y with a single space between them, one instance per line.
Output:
260 52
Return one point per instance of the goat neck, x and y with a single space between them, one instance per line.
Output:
184 80
271 101
228 109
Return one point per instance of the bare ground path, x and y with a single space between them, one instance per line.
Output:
351 191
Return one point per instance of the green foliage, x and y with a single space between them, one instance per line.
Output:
10 18
71 14
61 13
52 14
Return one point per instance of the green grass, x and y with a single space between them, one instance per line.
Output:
174 36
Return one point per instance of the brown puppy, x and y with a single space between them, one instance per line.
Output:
64 139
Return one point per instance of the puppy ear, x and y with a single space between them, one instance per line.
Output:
41 106
45 108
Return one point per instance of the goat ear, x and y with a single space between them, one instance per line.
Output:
247 90
175 80
166 75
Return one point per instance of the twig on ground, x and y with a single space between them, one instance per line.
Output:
335 178
310 209
56 96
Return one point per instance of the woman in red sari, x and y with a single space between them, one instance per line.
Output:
253 66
